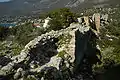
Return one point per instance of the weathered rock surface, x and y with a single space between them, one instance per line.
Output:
56 55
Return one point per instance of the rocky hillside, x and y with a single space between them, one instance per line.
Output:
85 50
66 54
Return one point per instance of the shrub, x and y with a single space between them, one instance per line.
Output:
25 33
4 32
61 18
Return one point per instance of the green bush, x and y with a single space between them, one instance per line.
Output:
25 33
61 54
19 36
4 32
61 18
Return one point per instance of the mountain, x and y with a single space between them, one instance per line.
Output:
22 7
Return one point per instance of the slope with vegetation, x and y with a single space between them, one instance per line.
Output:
66 50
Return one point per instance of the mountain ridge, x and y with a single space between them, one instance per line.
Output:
24 7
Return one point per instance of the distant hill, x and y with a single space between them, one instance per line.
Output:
24 7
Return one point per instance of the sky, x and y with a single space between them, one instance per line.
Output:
4 0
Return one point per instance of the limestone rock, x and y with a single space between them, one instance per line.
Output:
3 73
104 17
8 68
79 20
53 55
86 19
96 18
17 75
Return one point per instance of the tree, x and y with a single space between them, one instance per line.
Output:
61 18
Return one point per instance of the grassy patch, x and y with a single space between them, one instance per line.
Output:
61 54
8 48
64 39
30 78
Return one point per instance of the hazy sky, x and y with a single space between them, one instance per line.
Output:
4 0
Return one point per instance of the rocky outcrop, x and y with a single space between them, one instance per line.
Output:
56 55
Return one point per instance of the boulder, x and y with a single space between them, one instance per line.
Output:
104 17
8 68
79 20
18 73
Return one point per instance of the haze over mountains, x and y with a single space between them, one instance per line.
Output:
23 7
